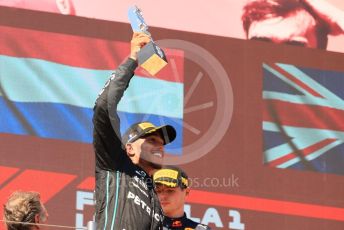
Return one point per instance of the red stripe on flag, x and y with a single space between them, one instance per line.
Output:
85 52
65 49
6 173
304 152
87 184
306 116
296 81
266 205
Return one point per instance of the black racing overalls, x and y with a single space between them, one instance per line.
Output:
124 194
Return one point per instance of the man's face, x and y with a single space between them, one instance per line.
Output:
297 28
172 200
147 149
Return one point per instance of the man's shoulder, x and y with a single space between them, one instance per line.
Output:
202 226
196 225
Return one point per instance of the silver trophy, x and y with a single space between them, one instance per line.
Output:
150 57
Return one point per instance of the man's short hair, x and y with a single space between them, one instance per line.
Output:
22 207
258 10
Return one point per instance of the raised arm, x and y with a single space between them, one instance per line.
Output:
331 15
106 133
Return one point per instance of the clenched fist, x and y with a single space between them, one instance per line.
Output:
137 42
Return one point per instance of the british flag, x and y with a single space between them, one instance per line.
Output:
303 118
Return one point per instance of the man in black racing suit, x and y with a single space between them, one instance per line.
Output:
172 186
124 193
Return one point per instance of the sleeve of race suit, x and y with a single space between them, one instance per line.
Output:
106 132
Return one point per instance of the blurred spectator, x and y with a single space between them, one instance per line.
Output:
24 207
297 22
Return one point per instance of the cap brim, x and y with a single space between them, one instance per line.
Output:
166 131
167 183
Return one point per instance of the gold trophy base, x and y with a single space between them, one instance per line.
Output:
151 58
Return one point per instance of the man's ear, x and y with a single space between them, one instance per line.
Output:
129 149
37 218
187 191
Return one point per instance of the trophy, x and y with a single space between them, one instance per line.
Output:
150 57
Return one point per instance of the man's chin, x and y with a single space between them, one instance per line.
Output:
149 165
155 166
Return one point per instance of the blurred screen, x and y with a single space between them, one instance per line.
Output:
221 18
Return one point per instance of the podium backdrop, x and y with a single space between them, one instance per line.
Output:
260 126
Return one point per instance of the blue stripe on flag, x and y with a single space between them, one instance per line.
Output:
327 163
275 84
66 122
331 80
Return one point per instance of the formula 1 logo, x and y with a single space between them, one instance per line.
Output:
48 184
